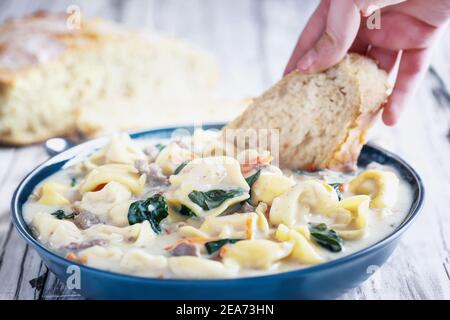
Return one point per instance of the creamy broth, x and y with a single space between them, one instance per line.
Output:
175 213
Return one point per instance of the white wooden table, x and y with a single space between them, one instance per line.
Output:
252 40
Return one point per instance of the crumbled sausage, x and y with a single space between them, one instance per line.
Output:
74 247
85 220
153 172
185 249
156 175
247 207
152 152
141 166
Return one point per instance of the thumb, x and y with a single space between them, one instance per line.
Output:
343 23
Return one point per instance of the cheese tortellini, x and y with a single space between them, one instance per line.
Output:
304 251
52 193
120 150
124 174
358 206
190 208
57 233
109 204
294 205
382 186
202 177
197 268
171 157
257 254
270 185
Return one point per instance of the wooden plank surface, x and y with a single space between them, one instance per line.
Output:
252 41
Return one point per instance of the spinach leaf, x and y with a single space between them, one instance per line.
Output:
214 198
252 179
154 209
60 214
180 167
213 246
159 146
185 211
325 237
336 187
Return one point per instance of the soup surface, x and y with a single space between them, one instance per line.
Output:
185 208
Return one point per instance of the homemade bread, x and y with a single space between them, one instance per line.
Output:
55 80
322 118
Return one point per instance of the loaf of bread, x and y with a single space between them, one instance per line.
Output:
55 80
322 118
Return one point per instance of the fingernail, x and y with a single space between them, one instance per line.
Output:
307 61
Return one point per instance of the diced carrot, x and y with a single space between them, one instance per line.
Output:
311 167
342 187
246 167
223 250
99 187
71 256
194 240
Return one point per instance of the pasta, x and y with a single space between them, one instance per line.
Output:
171 157
382 186
108 203
139 262
358 206
120 150
303 250
257 254
206 174
294 205
196 268
127 175
52 194
57 233
269 186
187 208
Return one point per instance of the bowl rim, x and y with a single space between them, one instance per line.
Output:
23 229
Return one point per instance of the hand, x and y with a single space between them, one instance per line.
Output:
408 31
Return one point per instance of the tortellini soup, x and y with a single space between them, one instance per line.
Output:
186 208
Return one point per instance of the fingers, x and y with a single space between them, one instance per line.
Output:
311 33
413 64
367 7
341 29
384 57
436 13
411 33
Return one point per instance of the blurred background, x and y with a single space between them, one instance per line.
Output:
251 41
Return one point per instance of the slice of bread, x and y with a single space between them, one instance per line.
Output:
55 80
322 118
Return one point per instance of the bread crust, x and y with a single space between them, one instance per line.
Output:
33 47
369 86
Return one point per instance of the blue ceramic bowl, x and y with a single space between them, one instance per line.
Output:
324 281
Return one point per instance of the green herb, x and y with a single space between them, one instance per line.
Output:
159 146
336 187
180 167
213 246
214 198
73 182
154 209
60 214
252 179
325 237
185 211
